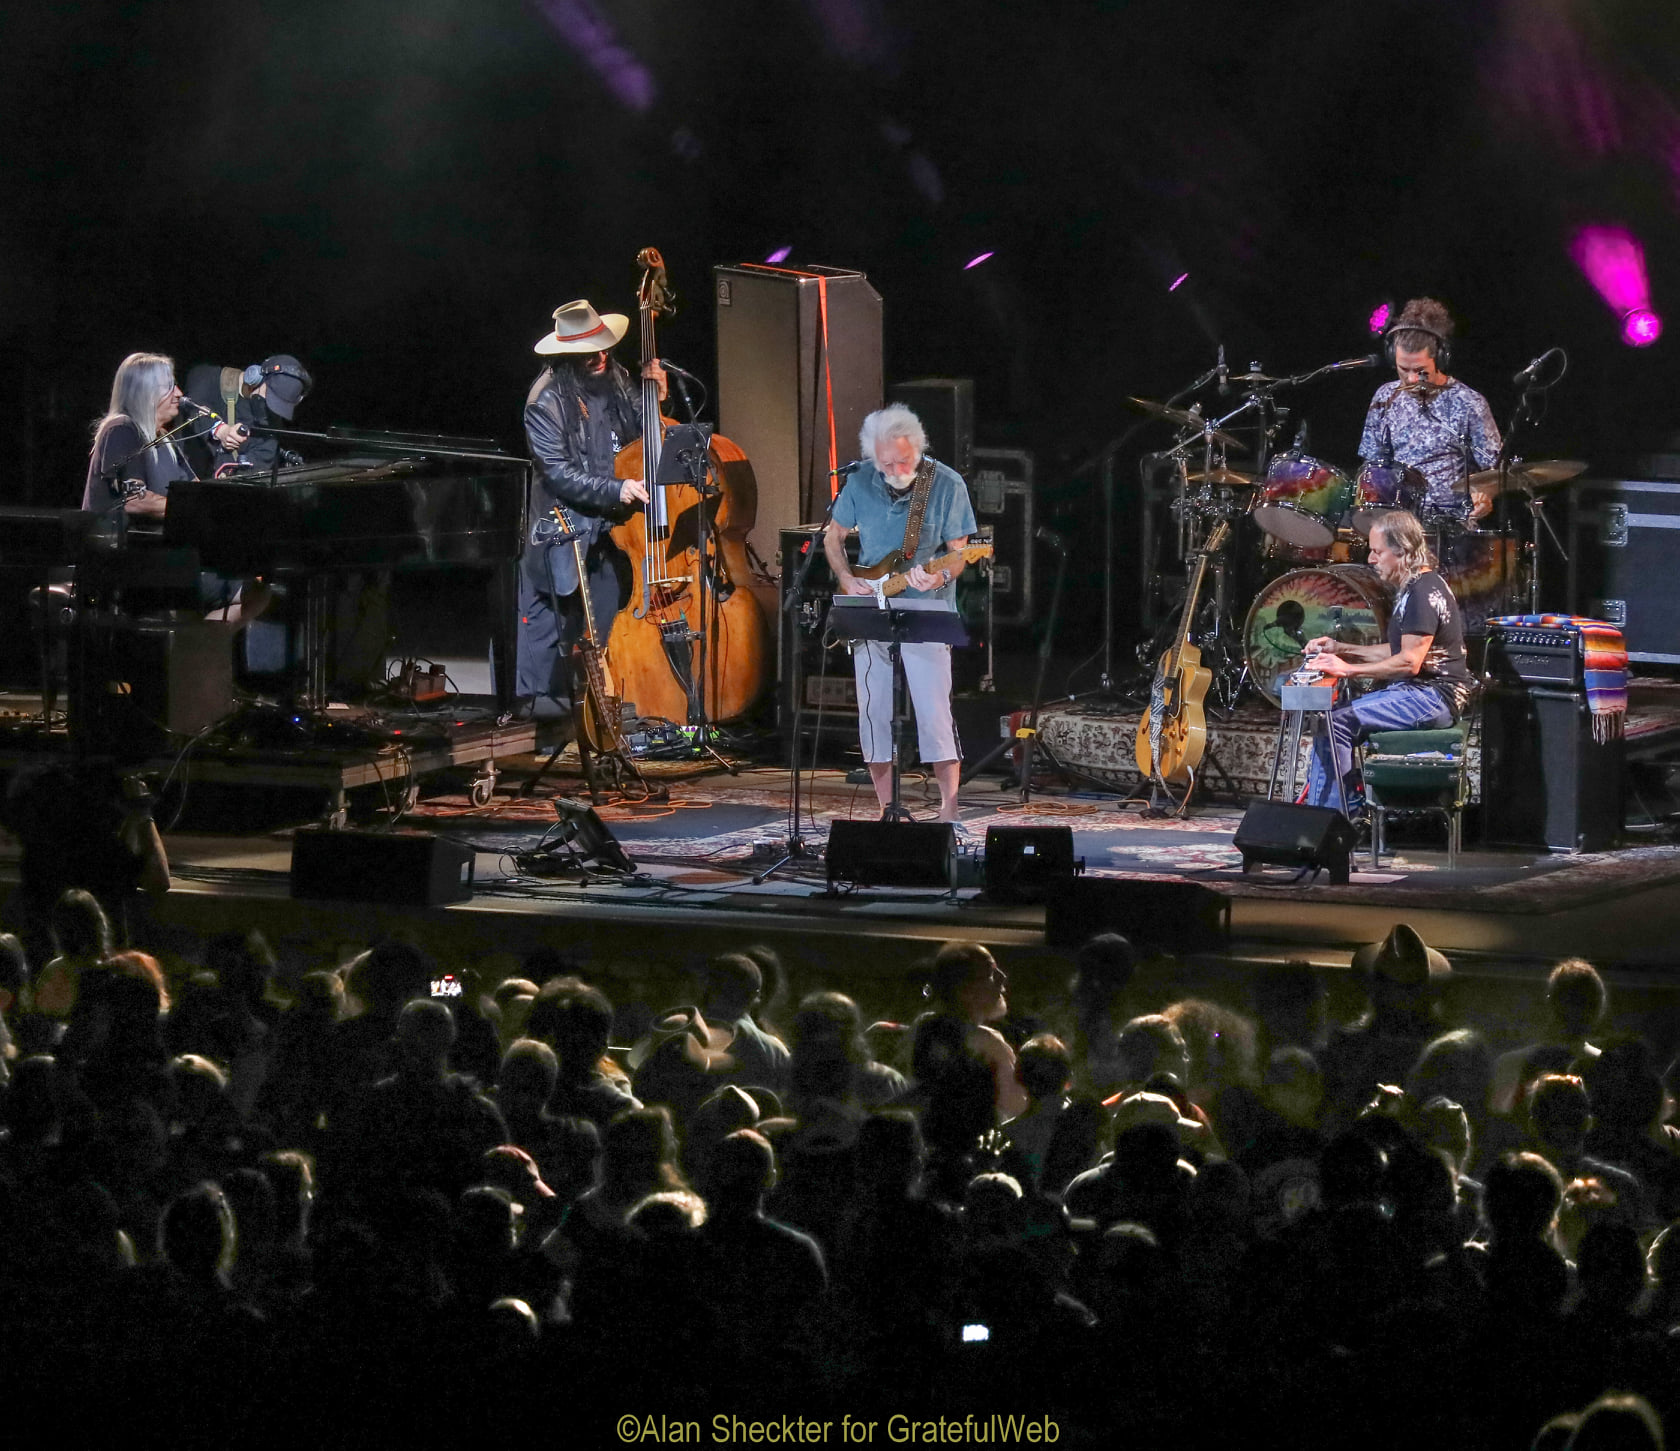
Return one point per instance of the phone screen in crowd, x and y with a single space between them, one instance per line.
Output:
447 986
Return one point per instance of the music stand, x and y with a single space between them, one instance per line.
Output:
898 622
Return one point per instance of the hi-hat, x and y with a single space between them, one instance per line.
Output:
1184 419
1229 477
1534 475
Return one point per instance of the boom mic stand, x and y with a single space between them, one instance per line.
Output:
793 844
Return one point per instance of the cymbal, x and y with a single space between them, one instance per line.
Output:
1229 477
1544 473
1183 419
1254 378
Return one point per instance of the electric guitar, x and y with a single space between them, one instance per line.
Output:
884 583
1172 736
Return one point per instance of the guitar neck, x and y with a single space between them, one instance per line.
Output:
898 583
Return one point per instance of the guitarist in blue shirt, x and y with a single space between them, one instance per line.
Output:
904 501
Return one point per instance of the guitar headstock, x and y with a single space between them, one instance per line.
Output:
653 294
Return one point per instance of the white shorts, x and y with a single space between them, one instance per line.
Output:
927 673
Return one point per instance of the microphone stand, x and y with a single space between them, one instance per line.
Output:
1524 416
793 844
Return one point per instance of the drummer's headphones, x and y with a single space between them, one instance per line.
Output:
1443 343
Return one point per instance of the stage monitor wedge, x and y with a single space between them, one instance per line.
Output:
1283 834
402 868
773 389
892 854
1156 916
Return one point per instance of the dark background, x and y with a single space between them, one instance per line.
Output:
401 193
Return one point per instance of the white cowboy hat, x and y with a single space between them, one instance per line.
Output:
578 328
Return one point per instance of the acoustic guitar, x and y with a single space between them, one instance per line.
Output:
1172 736
892 583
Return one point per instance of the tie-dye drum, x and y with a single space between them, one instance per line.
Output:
1486 573
1346 601
1303 500
1382 487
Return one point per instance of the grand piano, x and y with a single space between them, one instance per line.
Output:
398 502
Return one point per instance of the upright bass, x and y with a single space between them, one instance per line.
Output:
692 644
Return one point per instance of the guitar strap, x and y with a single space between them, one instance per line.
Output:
230 380
918 509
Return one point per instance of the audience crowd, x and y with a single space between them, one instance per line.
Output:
391 1199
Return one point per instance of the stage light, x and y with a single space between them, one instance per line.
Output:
1613 261
1641 328
584 26
1378 321
1178 282
781 254
969 266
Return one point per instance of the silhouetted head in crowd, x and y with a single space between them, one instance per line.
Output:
1626 1090
1152 1045
967 983
1293 1086
774 995
1457 1065
891 1154
1559 1113
1442 1124
1222 1046
1103 969
196 1235
575 1020
243 963
1576 998
256 1213
730 985
14 972
1404 977
1044 1065
80 928
1353 1171
739 1172
1520 1198
198 1089
1075 1144
992 1207
827 1045
1611 1267
1618 1421
639 1155
320 998
292 1173
528 1074
425 1033
574 1157
389 974
34 1100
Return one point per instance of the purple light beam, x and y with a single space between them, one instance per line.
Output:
1612 260
1178 282
781 254
582 25
1378 320
970 266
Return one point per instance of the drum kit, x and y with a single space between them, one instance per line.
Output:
1301 560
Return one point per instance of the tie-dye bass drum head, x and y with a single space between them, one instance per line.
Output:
1347 601
1487 573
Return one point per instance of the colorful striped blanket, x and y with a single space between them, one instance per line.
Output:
1603 664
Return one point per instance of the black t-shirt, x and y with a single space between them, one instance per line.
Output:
204 387
1427 607
120 456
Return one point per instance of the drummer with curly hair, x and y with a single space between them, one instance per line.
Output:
1425 682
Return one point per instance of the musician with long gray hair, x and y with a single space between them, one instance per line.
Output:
133 464
1427 685
879 502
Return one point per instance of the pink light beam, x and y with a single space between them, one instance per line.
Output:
781 254
1612 260
970 266
1178 282
1379 319
1641 328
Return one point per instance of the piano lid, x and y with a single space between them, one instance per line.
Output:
357 513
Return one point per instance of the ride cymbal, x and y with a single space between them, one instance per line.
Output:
1535 475
1184 419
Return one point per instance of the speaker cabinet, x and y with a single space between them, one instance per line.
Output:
135 685
893 854
773 388
1023 862
1545 781
1282 834
402 868
1156 916
946 409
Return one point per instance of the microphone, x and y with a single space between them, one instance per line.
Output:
1301 440
855 464
198 410
1527 374
671 367
1224 373
1046 535
1370 360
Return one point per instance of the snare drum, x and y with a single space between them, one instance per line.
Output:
1303 500
1383 487
1347 601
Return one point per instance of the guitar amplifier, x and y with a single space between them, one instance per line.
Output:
1001 490
1534 655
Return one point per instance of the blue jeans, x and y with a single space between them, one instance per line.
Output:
1402 706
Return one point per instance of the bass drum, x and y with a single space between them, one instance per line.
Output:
1487 573
1347 601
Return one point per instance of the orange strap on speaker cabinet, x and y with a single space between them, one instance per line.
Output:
828 372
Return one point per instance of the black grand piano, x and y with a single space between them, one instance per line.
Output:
398 502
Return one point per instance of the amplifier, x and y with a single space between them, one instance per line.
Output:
1001 489
1546 781
1533 655
825 674
1623 537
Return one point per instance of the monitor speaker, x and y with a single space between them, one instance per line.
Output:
773 387
1156 916
1546 780
403 868
139 684
893 854
1022 862
1280 833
